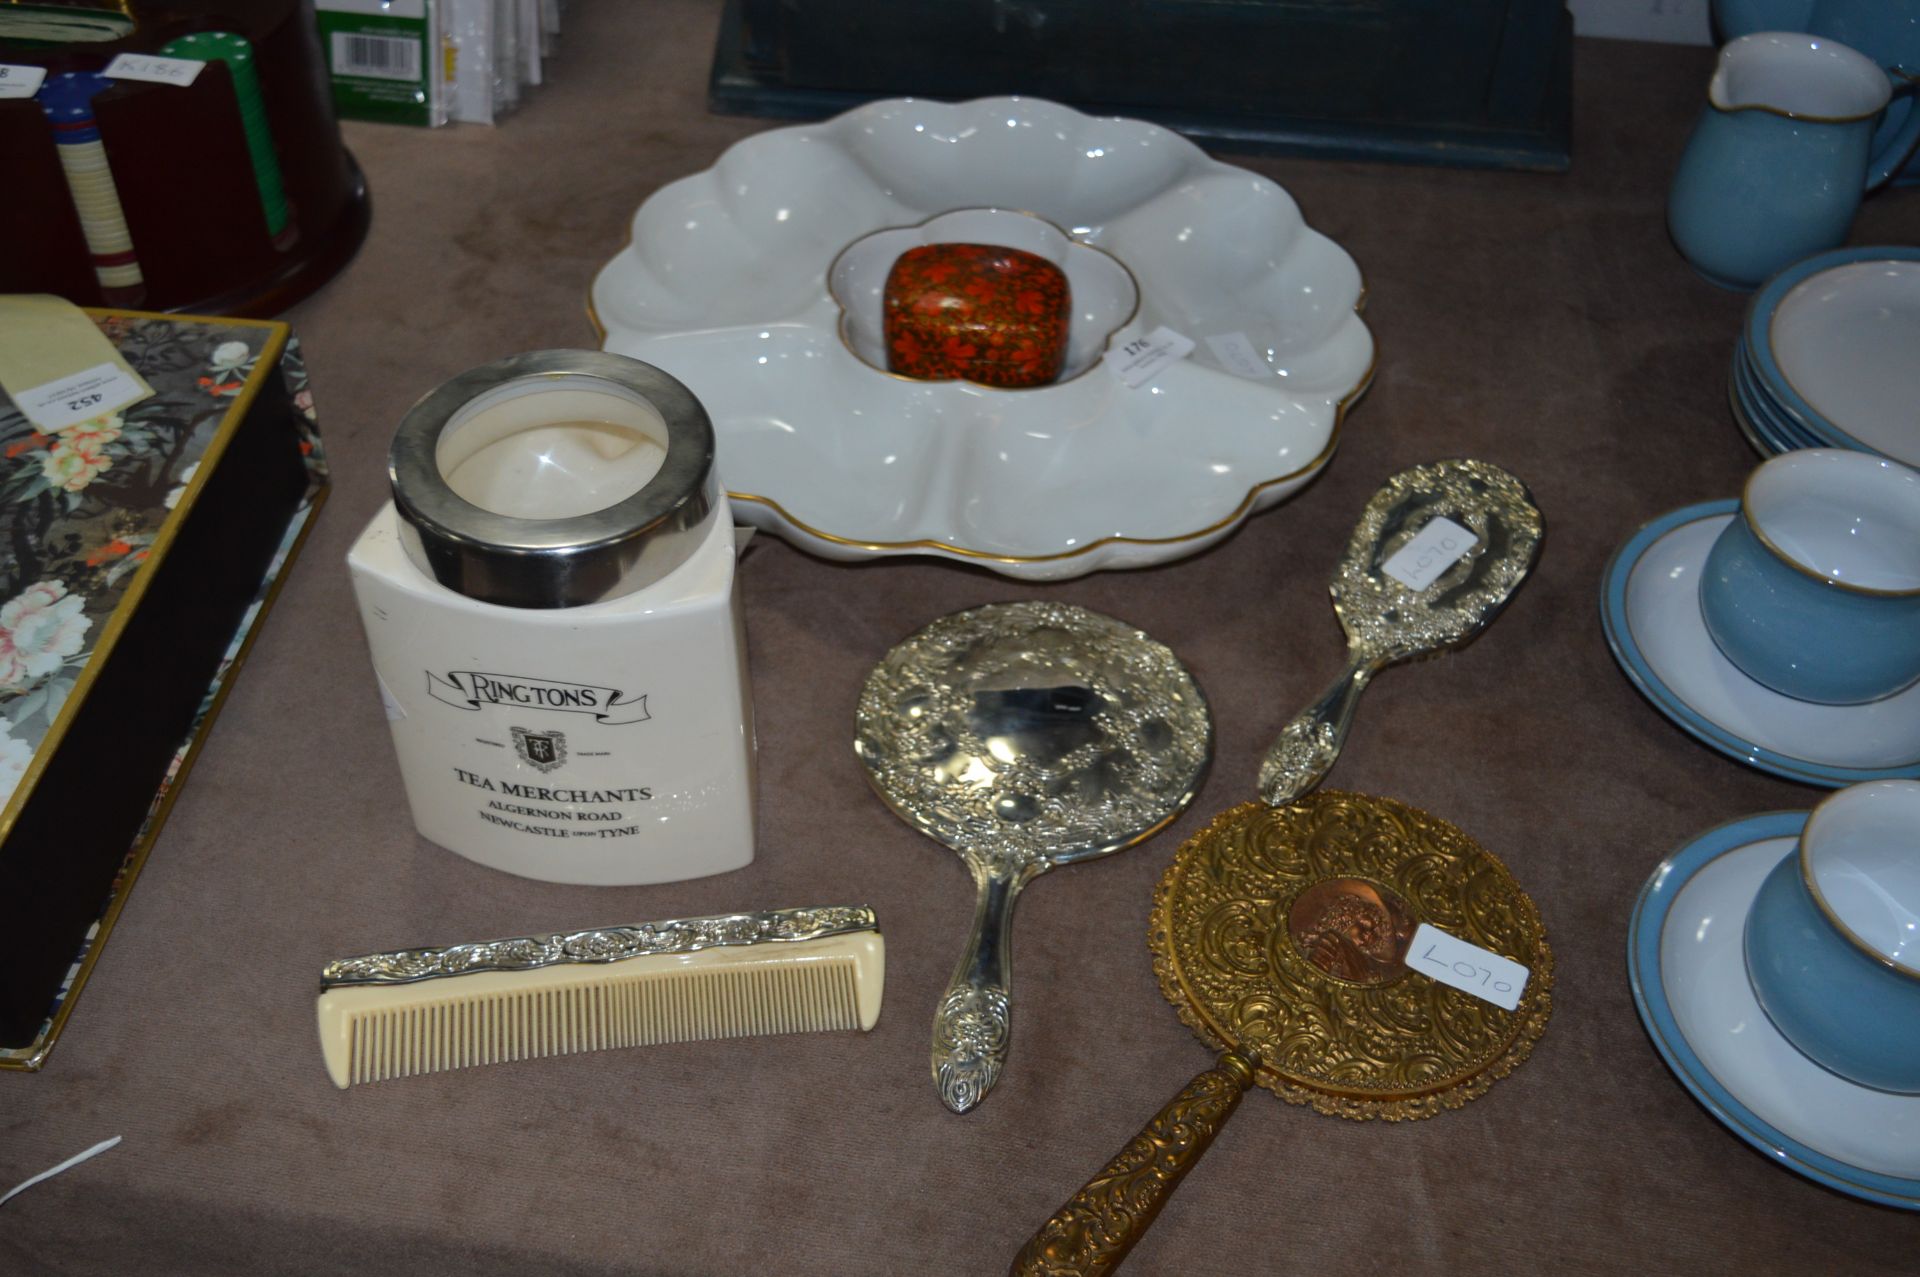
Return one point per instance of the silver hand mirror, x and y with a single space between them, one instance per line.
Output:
1025 736
1437 553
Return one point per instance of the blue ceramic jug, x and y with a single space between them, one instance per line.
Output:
1735 18
1781 156
1888 31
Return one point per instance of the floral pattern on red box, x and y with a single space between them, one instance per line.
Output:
976 312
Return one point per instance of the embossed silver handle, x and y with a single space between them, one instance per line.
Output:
1303 754
973 1026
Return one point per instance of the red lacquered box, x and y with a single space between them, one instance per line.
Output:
976 312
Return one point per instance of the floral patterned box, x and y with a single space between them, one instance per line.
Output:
138 552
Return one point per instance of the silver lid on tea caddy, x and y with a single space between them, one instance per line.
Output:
569 561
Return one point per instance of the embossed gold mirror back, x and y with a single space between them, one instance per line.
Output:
1283 932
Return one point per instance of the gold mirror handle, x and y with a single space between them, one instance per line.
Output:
1092 1233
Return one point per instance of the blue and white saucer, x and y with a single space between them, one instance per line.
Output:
1689 979
1650 609
1829 340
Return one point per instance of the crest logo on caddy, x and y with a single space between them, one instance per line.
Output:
543 751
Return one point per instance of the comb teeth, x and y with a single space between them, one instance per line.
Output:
692 1006
376 1033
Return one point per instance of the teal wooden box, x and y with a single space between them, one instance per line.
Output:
1458 82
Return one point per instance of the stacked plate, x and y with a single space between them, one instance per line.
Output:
1830 356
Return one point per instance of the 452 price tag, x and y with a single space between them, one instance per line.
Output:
55 405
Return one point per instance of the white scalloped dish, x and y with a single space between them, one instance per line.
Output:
724 285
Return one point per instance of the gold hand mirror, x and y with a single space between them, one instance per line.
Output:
1024 736
1281 936
1280 933
1437 553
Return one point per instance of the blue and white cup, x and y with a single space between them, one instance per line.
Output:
1814 588
1833 938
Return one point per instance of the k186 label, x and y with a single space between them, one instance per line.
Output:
154 69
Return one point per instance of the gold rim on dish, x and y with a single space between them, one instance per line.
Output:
1239 512
1340 409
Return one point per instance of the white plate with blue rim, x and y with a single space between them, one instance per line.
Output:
1765 413
1689 978
1650 610
1765 447
1763 439
1833 337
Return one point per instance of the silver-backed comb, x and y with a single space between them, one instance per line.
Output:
408 1011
